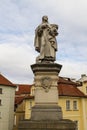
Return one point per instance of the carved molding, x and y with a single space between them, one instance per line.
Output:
46 83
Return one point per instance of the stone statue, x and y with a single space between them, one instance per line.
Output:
45 41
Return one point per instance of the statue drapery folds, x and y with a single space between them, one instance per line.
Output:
45 41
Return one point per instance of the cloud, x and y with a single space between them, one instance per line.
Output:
72 69
16 56
19 18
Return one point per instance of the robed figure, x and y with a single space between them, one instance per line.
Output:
45 41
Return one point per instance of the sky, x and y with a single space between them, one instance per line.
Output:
18 20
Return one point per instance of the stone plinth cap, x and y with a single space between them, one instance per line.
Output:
46 67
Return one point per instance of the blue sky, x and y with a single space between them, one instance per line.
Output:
18 20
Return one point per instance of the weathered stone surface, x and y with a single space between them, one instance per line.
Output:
47 125
46 112
45 67
46 97
46 92
46 81
45 41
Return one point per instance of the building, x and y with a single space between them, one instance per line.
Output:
23 99
83 81
83 88
71 99
7 94
73 102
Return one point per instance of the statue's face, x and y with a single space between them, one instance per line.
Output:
45 19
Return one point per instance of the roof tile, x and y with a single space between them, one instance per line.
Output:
23 89
5 81
68 88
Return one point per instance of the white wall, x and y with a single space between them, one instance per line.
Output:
7 107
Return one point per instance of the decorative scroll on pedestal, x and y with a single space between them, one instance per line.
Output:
46 83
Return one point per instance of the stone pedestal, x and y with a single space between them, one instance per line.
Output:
47 125
46 92
46 114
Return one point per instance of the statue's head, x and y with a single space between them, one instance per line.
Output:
53 30
45 18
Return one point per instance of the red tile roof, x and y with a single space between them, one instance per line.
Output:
5 81
19 99
68 88
65 88
23 89
66 80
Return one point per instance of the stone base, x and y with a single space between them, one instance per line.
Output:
46 82
46 112
47 125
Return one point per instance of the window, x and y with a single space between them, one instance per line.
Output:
30 105
0 102
76 122
74 105
15 119
86 89
0 90
67 104
0 114
33 91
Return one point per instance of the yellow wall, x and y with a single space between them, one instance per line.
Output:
83 88
29 103
32 91
84 104
79 115
75 115
84 112
19 114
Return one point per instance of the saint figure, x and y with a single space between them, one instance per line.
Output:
45 41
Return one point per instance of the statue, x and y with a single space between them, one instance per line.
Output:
45 41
